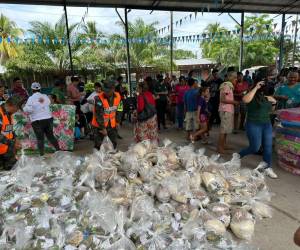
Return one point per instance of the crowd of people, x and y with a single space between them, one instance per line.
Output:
234 102
237 102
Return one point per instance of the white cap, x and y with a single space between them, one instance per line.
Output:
35 86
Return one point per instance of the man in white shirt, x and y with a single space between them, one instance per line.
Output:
91 98
38 108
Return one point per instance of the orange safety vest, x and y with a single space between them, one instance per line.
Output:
6 130
109 112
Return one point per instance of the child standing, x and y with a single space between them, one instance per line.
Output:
191 107
202 114
226 110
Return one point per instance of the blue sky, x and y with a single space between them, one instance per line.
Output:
106 19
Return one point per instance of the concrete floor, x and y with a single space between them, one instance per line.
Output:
276 233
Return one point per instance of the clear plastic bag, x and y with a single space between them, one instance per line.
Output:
259 208
234 164
214 182
104 173
195 180
139 228
179 244
139 149
211 224
220 211
23 235
102 210
106 145
162 194
26 171
188 156
242 224
145 171
65 186
158 240
119 193
65 161
130 164
142 207
193 226
44 217
123 242
58 233
178 186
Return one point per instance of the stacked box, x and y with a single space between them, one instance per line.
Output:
288 140
63 127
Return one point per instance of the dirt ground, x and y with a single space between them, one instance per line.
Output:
276 233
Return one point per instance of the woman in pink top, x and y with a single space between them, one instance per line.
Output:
226 110
180 90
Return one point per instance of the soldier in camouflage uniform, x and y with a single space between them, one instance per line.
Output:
105 114
8 142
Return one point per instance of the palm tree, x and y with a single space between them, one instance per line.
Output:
143 53
57 52
8 29
214 49
90 30
214 28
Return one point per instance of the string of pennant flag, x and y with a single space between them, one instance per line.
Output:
189 17
160 40
193 17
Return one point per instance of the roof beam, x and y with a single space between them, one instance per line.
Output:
176 5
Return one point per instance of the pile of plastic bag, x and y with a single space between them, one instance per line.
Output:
149 197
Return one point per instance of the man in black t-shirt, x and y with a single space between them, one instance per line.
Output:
161 91
214 101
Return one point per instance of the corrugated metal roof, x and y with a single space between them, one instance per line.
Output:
256 6
193 61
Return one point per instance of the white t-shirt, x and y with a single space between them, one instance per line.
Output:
91 100
38 107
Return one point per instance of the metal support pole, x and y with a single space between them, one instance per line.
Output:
68 37
241 38
171 42
295 41
280 65
242 42
128 53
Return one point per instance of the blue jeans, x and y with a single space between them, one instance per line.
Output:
180 114
259 134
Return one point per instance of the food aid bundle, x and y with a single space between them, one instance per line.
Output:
148 197
288 140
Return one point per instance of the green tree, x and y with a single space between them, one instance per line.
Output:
213 49
183 54
57 52
93 58
8 29
31 61
90 30
224 47
143 54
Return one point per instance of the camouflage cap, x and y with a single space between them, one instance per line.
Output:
108 85
14 100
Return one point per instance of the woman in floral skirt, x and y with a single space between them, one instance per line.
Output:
145 130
